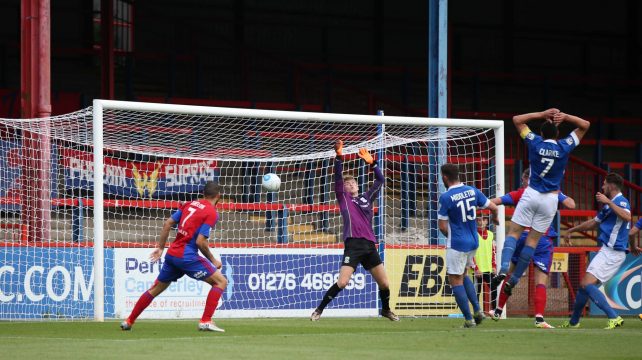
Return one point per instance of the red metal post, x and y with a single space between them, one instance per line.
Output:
107 48
35 101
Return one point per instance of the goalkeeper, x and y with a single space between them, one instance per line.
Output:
360 244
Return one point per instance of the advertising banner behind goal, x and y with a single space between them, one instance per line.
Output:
418 284
50 283
261 283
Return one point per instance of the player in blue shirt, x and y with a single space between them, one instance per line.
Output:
614 221
542 257
457 221
537 207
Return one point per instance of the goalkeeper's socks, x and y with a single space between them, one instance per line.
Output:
600 300
540 299
471 293
507 253
462 301
142 303
384 295
580 303
211 303
525 257
332 292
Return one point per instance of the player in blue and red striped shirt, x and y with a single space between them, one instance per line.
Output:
195 220
359 238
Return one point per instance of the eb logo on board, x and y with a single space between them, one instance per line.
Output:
425 276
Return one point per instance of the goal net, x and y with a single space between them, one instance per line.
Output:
76 246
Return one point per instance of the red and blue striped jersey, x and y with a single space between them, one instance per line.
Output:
194 218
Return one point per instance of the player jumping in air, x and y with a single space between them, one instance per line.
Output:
542 258
359 239
457 214
537 207
195 220
614 221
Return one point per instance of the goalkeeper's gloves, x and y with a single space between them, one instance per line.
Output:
365 155
338 148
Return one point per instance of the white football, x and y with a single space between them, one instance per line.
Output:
271 182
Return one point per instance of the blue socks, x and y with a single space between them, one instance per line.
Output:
471 293
593 293
462 301
507 253
522 264
600 300
578 307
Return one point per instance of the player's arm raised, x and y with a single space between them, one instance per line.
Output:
581 124
162 240
338 167
621 212
521 120
379 178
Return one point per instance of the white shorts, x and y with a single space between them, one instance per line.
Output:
606 263
536 210
457 262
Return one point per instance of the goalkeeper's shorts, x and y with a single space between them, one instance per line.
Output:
360 251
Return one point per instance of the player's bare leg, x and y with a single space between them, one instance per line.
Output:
219 283
143 302
379 274
345 273
510 243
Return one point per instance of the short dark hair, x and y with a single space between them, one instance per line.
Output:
212 189
548 130
615 179
527 172
451 171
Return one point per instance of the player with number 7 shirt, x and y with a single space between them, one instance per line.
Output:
195 220
547 160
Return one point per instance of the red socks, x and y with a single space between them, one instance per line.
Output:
142 303
503 298
211 303
540 299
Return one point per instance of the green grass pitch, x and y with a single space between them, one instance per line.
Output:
330 338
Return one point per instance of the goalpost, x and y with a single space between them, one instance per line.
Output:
280 251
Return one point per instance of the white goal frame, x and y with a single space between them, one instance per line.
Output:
99 106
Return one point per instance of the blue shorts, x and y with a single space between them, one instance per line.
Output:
543 256
196 267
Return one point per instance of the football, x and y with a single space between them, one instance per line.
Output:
271 182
